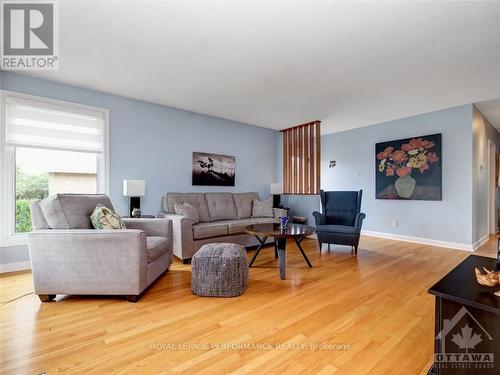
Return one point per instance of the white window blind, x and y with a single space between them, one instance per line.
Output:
30 123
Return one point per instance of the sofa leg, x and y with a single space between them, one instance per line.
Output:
46 297
186 261
356 250
133 298
320 247
328 247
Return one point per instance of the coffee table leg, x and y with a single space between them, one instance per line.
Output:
298 241
282 256
262 242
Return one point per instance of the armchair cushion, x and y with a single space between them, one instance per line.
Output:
72 211
156 247
340 229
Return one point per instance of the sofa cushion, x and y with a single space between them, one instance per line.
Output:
72 211
238 226
188 211
208 230
197 200
221 206
156 247
263 209
243 203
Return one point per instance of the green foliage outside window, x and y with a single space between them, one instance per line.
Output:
28 188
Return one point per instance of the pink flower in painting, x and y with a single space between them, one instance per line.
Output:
429 144
415 143
385 154
403 171
389 172
423 168
432 157
398 156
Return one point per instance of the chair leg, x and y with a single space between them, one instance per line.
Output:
134 298
46 297
328 247
356 250
319 243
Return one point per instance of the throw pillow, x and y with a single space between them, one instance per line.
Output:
263 209
104 218
188 211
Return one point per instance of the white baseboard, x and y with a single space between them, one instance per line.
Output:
420 240
16 266
481 242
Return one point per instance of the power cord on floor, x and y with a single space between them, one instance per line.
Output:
15 299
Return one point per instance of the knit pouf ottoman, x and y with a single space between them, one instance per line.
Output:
219 270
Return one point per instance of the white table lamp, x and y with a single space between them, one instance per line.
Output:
276 189
134 189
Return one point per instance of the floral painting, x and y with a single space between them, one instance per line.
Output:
409 168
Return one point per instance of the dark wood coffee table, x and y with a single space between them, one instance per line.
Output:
295 231
461 301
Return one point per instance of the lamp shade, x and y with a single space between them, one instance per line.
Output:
134 188
276 188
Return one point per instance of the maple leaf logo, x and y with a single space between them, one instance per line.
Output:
466 340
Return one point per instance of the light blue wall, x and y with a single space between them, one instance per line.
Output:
155 143
447 220
482 132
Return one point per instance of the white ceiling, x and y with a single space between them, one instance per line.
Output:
278 64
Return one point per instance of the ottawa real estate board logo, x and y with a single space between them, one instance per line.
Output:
30 35
462 343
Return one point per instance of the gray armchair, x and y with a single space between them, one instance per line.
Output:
341 220
68 257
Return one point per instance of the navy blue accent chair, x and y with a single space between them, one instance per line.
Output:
341 220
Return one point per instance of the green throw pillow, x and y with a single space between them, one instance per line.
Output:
104 218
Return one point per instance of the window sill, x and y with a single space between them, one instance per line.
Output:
19 240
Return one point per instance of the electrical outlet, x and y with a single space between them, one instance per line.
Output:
395 223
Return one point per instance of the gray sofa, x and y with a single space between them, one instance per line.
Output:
223 217
69 257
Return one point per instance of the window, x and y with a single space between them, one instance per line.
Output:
301 159
50 147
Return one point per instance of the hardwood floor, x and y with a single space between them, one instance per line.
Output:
375 305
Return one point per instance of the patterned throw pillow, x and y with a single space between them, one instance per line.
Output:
188 211
104 218
263 209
